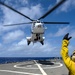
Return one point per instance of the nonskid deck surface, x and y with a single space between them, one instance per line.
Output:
34 68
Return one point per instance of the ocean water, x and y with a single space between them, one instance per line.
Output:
4 60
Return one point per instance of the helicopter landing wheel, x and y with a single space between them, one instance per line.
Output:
28 42
42 42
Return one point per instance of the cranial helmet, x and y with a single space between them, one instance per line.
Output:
73 56
74 52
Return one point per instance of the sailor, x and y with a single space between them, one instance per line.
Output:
68 61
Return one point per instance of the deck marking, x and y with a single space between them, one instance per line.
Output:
41 69
19 72
49 67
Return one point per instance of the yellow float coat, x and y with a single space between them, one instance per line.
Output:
67 60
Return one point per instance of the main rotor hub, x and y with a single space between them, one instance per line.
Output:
36 21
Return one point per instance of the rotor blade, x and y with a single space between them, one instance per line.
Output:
56 22
52 9
15 10
18 24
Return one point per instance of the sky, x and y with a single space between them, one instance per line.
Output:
13 41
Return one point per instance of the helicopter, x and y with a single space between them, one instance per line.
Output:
37 28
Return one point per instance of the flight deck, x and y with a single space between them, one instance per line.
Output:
34 67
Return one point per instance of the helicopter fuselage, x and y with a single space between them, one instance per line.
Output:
37 31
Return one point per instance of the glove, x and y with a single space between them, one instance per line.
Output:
66 37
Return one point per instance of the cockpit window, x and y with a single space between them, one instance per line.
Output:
39 26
